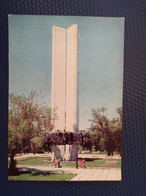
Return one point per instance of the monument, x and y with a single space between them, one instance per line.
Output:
64 95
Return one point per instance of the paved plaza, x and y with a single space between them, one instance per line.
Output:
96 174
99 174
107 173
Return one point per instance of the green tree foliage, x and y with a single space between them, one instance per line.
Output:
23 112
105 134
25 124
46 118
118 130
95 139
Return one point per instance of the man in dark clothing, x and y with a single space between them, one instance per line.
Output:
58 162
76 163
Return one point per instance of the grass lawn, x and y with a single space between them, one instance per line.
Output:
43 177
97 162
119 163
46 161
35 161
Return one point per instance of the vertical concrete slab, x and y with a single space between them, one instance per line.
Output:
71 152
58 84
72 89
58 152
72 80
58 76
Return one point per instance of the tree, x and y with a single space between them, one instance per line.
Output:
23 126
105 133
118 130
27 120
46 118
100 129
99 121
95 140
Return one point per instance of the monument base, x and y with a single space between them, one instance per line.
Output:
58 152
71 152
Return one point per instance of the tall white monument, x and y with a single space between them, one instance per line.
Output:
65 86
72 89
58 76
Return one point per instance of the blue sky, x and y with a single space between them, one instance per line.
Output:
100 60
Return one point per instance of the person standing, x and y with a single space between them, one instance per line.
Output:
80 162
54 162
76 163
59 162
84 164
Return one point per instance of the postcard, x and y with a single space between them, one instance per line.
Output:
65 98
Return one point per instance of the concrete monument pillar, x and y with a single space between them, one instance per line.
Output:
65 86
72 89
58 85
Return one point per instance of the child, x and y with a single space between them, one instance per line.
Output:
54 163
80 162
84 164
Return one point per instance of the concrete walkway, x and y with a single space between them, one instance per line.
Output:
100 174
96 174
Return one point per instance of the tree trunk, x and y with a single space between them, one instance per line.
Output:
12 167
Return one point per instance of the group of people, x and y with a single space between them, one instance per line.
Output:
54 162
81 163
